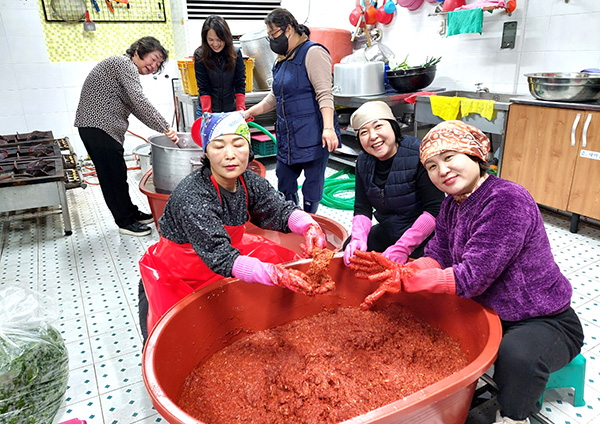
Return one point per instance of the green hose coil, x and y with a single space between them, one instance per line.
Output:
338 193
263 130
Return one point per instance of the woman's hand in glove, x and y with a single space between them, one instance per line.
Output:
378 269
314 240
303 224
292 279
252 270
432 280
361 225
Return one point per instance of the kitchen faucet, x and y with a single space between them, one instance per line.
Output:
480 89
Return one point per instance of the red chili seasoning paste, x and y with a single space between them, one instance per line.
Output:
326 368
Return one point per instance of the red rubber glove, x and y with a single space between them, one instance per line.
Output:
240 101
206 103
432 280
379 269
422 263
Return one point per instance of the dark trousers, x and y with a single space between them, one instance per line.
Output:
111 169
529 352
312 189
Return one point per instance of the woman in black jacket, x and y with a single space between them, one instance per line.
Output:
220 70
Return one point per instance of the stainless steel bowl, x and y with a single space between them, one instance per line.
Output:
564 86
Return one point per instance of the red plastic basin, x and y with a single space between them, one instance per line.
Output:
208 320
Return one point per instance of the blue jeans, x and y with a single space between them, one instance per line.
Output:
314 174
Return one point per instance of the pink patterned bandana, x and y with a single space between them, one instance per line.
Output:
456 136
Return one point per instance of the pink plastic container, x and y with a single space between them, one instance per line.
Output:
216 316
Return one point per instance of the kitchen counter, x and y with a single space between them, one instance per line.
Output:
391 97
529 100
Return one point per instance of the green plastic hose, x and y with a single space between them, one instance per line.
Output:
338 193
263 130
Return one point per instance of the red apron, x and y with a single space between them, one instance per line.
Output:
171 271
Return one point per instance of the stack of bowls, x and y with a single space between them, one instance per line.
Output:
411 4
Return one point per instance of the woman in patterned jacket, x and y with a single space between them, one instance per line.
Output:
111 92
203 228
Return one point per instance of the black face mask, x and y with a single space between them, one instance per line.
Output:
279 44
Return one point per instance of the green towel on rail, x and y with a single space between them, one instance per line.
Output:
465 21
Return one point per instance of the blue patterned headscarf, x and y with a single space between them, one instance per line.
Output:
217 124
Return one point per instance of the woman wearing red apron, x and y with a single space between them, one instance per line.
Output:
203 235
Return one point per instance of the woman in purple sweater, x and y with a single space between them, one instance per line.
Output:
490 245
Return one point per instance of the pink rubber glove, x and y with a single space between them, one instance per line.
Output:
361 225
252 270
303 224
432 280
411 239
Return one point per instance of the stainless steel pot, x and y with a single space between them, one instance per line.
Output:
256 45
173 162
564 86
358 79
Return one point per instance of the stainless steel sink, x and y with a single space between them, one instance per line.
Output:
497 125
423 114
502 100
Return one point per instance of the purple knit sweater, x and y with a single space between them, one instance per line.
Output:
497 245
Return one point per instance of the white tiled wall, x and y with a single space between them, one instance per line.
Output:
552 35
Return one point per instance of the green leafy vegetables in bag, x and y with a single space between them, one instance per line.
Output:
34 364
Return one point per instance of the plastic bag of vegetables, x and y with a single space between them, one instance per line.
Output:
34 365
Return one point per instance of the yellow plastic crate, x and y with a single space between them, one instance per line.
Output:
249 62
188 75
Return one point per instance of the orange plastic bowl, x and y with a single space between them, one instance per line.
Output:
208 320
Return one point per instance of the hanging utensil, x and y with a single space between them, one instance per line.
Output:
88 25
109 4
95 4
358 22
370 12
382 16
69 10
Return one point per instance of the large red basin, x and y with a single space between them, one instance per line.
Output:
208 320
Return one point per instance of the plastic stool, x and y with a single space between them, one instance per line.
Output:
571 375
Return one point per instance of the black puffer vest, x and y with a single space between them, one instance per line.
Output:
397 205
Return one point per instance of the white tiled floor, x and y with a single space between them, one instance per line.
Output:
93 276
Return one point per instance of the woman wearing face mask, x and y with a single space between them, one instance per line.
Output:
390 181
490 245
220 70
202 228
306 127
